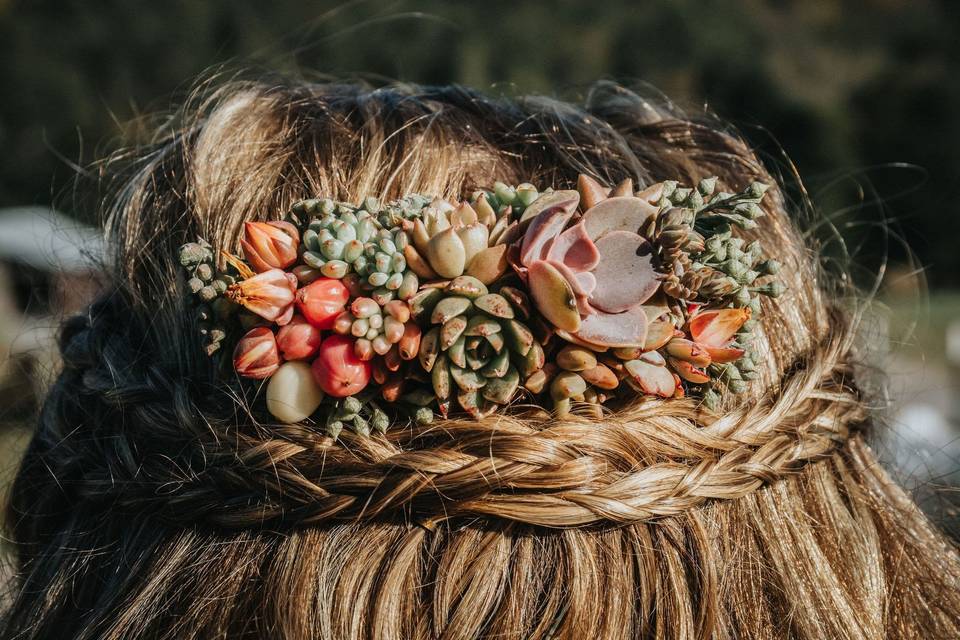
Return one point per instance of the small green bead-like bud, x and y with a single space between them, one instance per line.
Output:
379 421
204 272
679 195
729 372
194 253
749 210
505 194
707 185
408 288
207 293
742 297
387 246
733 268
352 250
757 189
382 262
711 399
332 249
737 386
769 267
694 200
195 284
527 194
351 405
334 269
423 415
314 260
748 277
669 186
383 295
361 425
771 289
394 281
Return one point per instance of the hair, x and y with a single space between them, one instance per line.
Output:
157 499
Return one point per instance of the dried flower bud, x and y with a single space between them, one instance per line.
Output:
270 245
269 294
256 354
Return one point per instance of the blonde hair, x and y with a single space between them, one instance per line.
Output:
157 501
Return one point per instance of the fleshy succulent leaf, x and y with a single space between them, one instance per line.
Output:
627 329
625 274
617 214
554 296
716 327
575 249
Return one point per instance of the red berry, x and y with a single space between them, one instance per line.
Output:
321 301
338 370
299 339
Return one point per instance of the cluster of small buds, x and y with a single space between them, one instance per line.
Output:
206 286
353 413
578 376
741 265
377 328
393 214
517 198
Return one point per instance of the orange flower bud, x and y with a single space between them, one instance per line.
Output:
270 245
270 295
338 370
256 354
299 339
322 301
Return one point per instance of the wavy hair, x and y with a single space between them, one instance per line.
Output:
157 499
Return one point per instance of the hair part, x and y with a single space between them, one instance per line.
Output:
156 500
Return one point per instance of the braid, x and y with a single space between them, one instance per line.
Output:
641 463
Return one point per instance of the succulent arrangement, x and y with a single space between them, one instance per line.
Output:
362 315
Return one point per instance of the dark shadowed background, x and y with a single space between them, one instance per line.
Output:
861 95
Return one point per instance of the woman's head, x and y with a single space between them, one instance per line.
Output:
159 500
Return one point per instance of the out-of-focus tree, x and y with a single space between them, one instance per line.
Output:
843 84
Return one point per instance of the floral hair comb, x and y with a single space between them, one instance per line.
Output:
363 314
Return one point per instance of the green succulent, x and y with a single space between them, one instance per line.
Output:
477 351
346 240
502 196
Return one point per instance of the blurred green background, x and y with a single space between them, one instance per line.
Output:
861 95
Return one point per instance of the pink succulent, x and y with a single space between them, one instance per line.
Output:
591 279
270 245
299 339
270 295
256 354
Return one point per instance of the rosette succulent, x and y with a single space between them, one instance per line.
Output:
478 350
449 241
590 280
